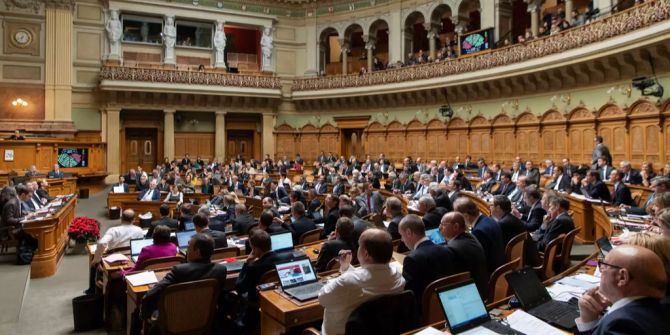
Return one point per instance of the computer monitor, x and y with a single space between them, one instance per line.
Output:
183 237
462 306
282 241
189 226
137 245
295 273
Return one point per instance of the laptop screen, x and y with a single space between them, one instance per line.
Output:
295 273
435 236
462 305
281 241
137 245
183 237
189 226
528 288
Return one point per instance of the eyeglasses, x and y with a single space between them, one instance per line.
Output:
601 263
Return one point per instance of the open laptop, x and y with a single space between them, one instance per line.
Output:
188 226
464 309
298 279
435 236
182 240
282 241
137 245
535 299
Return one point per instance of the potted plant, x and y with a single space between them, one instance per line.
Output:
83 230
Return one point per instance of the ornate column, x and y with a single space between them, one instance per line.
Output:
395 34
220 46
58 59
168 133
313 53
268 136
459 30
169 40
113 152
432 35
370 43
220 136
569 6
503 14
408 42
534 10
344 49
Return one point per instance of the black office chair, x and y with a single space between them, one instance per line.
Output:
391 314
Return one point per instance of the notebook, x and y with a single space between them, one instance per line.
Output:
535 299
282 241
137 245
298 279
464 310
182 240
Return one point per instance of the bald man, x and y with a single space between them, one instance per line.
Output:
375 277
632 283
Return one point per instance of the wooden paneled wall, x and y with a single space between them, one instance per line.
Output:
43 153
195 144
637 133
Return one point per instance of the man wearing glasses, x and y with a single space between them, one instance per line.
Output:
632 283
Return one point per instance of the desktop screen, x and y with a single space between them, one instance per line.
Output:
462 304
296 272
281 241
137 245
183 237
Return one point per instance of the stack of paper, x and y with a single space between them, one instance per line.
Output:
528 324
116 258
142 278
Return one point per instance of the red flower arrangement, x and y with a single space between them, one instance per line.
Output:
83 229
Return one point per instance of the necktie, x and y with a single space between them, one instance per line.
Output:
369 205
558 182
613 194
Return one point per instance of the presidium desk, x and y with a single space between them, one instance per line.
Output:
51 234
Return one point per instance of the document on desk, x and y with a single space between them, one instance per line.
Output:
430 331
116 258
528 324
142 278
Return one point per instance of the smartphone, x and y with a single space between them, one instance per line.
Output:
605 245
267 286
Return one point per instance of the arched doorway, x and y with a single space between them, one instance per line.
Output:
441 22
414 36
377 45
354 55
329 52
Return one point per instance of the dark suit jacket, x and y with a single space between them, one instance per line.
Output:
330 249
44 194
622 196
279 195
180 274
154 197
125 187
425 264
219 237
505 189
54 174
643 316
489 235
533 220
139 187
563 185
251 273
432 218
562 224
163 221
330 222
299 227
486 187
242 223
442 200
597 190
633 177
607 170
511 226
470 257
393 227
12 214
454 196
321 188
533 177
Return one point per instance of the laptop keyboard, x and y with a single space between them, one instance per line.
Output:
308 289
499 328
234 266
553 310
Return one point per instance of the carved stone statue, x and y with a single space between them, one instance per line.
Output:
266 48
220 46
169 39
114 33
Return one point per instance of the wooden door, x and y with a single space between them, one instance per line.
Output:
240 143
353 143
141 149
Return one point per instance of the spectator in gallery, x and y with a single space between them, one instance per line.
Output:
17 135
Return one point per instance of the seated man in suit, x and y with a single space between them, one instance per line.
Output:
56 172
441 198
469 254
32 172
560 183
34 202
268 205
12 215
511 226
506 185
198 267
340 239
454 189
321 187
243 220
659 185
150 194
393 211
426 261
332 204
432 215
532 174
486 183
604 168
42 186
300 224
621 194
631 176
559 222
267 223
122 183
202 227
372 199
375 277
486 230
516 196
593 188
632 282
549 168
165 220
533 213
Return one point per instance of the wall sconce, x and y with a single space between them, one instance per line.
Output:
621 89
19 103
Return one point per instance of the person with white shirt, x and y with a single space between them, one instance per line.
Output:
150 194
632 282
375 277
422 187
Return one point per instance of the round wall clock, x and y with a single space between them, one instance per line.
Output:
22 38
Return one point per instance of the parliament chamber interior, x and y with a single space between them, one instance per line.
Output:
334 167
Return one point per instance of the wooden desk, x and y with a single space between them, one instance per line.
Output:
51 234
582 216
115 199
94 181
67 185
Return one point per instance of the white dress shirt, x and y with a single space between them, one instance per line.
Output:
558 182
586 326
116 237
149 195
340 296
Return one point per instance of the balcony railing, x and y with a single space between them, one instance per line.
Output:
635 18
177 76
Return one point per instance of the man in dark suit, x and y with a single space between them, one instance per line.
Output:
404 184
278 194
55 173
341 239
426 261
12 215
533 217
339 186
486 230
561 222
631 176
632 282
122 183
561 182
199 266
506 185
481 167
454 188
237 185
549 168
621 193
432 215
593 188
568 168
150 194
600 150
469 254
32 172
372 199
165 220
202 227
321 187
487 182
532 174
510 225
441 198
300 223
659 185
332 203
243 220
393 211
604 168
42 185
